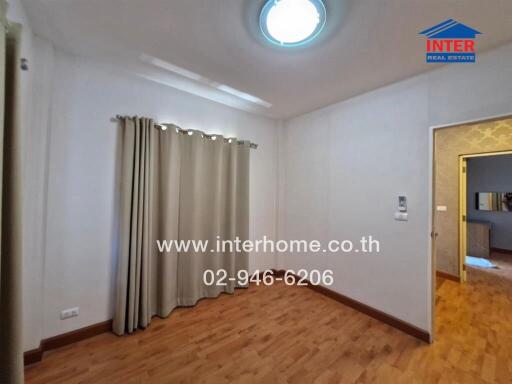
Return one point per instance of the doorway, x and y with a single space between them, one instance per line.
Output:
452 147
485 206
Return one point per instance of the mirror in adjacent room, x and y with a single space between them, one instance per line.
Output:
494 201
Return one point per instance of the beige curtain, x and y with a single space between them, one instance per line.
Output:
214 201
176 187
11 354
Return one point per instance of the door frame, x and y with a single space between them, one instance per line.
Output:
431 201
463 214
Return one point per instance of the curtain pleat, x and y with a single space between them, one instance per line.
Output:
176 187
201 199
165 173
11 354
241 164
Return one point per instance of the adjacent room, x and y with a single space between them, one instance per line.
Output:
255 191
489 203
489 223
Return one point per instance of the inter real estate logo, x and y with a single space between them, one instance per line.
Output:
450 42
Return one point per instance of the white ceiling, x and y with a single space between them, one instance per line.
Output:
367 44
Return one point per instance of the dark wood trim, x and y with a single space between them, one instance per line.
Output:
370 311
502 250
447 276
75 336
33 356
275 273
278 273
375 313
36 355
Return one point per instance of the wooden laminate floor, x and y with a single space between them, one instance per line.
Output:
283 334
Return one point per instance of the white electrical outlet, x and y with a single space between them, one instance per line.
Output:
70 312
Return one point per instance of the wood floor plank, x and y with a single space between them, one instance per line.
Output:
284 334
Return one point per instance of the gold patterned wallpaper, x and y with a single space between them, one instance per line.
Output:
450 143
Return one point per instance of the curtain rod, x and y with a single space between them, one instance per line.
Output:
185 131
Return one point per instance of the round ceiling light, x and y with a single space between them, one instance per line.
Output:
290 23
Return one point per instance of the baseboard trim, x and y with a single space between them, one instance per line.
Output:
36 355
447 276
33 356
279 273
369 311
502 250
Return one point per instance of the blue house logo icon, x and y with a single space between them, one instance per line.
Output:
450 42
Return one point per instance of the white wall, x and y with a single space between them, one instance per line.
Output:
82 195
345 165
491 174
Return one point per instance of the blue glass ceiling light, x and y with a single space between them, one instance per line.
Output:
289 23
